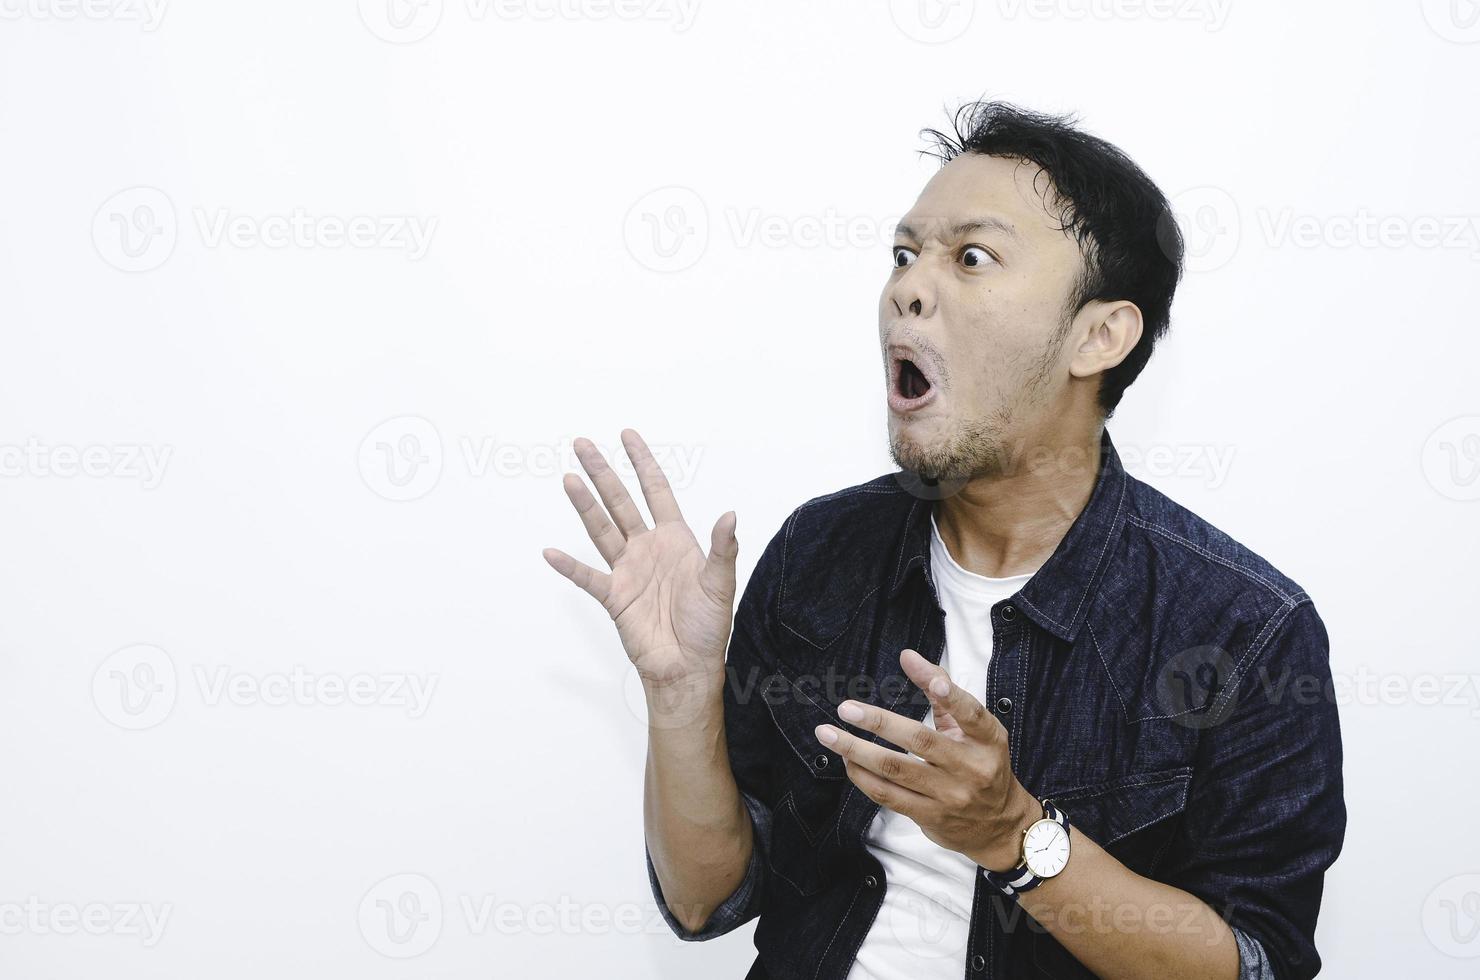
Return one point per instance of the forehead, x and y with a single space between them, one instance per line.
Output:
974 186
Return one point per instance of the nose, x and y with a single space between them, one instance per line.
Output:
913 292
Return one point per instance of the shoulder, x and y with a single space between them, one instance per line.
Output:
1160 530
1182 593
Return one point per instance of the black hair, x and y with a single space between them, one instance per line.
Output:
1125 228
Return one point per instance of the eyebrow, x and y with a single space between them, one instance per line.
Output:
971 224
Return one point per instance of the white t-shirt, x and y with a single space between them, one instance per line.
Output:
922 928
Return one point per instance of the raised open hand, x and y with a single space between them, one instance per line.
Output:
673 606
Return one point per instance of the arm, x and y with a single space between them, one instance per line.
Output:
747 740
1267 803
672 606
1263 864
1122 925
697 827
1269 818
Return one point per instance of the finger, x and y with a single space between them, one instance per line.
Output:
655 487
602 531
914 737
618 503
895 767
718 577
946 695
595 584
887 794
947 726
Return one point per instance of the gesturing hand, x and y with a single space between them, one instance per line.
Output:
673 606
955 781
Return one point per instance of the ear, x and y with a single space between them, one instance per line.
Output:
1108 332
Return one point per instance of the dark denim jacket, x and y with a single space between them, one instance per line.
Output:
1147 674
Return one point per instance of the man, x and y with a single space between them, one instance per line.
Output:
999 714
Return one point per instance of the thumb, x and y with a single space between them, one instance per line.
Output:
718 576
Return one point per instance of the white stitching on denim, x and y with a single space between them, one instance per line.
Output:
838 822
899 562
1095 642
1134 780
1104 548
1066 629
1185 778
1236 675
1256 649
823 646
776 722
1219 559
823 958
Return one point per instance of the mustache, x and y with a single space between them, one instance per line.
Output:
905 337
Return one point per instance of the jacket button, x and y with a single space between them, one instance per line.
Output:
978 962
870 881
1009 613
1004 705
820 762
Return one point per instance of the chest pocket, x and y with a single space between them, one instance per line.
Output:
811 780
1134 818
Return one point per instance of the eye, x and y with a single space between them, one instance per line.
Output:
974 255
903 257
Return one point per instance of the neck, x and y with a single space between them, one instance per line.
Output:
1009 523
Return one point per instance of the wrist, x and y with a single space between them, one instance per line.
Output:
1006 852
693 699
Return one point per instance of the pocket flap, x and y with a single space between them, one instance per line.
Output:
1118 808
797 714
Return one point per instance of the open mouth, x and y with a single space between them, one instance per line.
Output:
910 386
912 382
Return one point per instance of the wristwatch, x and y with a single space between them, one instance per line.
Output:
1045 853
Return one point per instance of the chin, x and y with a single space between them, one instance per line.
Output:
930 458
935 449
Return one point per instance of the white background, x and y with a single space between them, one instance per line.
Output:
674 218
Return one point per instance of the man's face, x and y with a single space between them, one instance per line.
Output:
971 320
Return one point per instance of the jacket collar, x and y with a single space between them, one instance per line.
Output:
1058 595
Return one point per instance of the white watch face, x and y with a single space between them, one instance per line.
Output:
1046 848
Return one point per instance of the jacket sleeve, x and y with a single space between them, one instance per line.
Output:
1266 815
750 735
